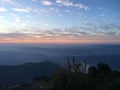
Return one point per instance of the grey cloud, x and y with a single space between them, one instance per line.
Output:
111 33
76 30
90 32
110 26
85 31
50 32
13 35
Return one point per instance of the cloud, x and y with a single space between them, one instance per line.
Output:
6 1
26 10
69 11
44 10
17 19
70 4
67 33
110 33
102 9
58 1
13 35
73 33
1 18
2 9
112 26
76 31
102 15
34 0
47 3
85 32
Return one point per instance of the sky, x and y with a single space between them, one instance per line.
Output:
59 21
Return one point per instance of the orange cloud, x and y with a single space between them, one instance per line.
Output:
59 41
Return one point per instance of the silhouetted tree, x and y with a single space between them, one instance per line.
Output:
92 71
103 69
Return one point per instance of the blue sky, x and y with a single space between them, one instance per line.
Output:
72 21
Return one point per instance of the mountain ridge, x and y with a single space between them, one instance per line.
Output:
13 74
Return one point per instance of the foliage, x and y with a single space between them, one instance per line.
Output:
99 77
103 69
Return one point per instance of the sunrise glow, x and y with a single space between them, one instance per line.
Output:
59 21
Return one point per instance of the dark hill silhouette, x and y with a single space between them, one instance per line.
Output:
13 74
99 77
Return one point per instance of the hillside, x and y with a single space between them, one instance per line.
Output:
12 74
99 77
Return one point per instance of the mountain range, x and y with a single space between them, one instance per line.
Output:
13 74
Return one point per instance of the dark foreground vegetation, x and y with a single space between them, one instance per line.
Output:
99 77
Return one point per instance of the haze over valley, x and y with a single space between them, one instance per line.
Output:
12 54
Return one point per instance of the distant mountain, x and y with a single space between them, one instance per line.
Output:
13 74
19 54
78 50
